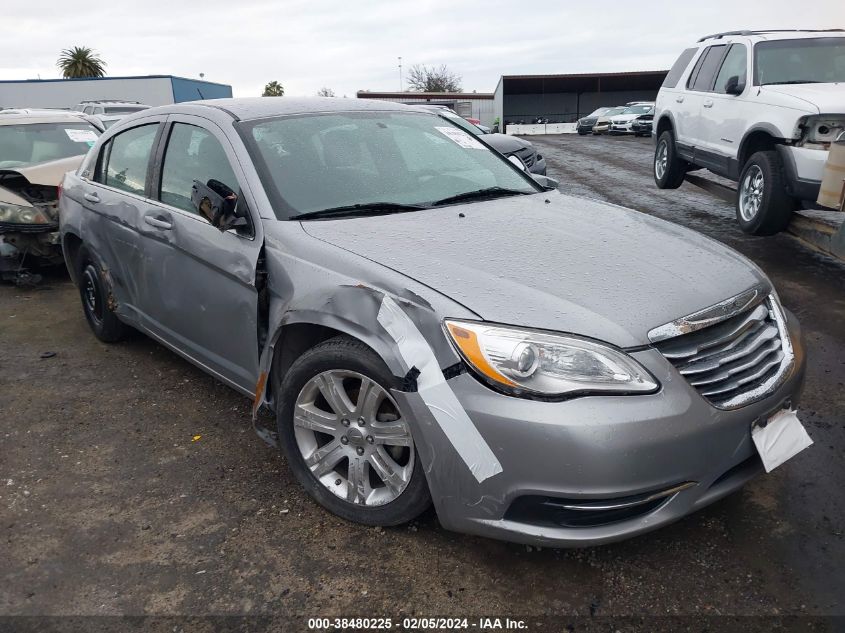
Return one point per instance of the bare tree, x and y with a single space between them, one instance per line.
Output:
325 92
421 78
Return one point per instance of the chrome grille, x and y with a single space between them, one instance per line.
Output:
737 360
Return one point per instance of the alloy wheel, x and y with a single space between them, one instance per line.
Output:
661 159
352 436
751 193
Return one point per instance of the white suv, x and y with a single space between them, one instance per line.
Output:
758 107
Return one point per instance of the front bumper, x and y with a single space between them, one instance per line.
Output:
804 170
620 128
594 448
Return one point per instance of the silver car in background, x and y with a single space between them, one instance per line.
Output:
429 324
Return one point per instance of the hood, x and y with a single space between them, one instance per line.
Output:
569 265
817 98
504 143
49 173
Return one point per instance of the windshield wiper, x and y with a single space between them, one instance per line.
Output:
351 210
791 81
487 192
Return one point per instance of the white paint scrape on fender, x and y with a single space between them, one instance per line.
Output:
436 392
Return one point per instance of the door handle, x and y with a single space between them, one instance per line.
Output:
708 103
679 99
158 222
92 197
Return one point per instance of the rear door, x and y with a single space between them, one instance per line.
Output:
117 196
690 101
201 296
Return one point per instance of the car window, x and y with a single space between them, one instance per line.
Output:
33 143
704 73
192 153
127 159
98 110
800 61
678 68
735 65
319 162
88 109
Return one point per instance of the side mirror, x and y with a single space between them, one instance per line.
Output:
545 182
733 86
218 204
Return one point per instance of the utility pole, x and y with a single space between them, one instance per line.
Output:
400 73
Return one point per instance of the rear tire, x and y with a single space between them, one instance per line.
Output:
383 440
763 207
96 298
669 168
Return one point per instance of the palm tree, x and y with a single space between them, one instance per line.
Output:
80 61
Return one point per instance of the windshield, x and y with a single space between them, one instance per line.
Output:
463 124
800 61
612 111
637 109
317 162
597 113
29 144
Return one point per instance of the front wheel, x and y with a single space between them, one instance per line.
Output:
763 207
345 437
669 168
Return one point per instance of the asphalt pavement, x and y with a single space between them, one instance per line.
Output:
132 483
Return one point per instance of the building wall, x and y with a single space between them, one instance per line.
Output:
566 107
66 93
481 109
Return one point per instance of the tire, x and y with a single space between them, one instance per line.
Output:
583 133
668 168
340 366
763 207
95 297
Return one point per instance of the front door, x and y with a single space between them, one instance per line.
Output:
200 295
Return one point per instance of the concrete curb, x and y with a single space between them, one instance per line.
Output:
823 230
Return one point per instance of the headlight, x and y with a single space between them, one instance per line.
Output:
17 214
821 129
528 362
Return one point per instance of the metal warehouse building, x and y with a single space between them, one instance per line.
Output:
566 98
475 105
66 93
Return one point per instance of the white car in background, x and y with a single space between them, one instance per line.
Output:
760 108
622 122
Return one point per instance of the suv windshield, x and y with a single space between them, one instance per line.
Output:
638 109
374 161
800 61
29 144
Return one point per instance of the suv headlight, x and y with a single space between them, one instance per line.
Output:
822 129
526 362
17 214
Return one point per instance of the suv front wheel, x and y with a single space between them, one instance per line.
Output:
763 207
669 168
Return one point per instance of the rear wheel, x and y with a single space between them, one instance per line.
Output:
763 207
669 168
95 300
346 439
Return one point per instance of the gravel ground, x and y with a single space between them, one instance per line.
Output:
132 483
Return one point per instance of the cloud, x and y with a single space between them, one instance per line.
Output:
349 46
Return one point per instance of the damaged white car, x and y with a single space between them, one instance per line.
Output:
37 148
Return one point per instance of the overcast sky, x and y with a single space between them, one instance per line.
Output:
352 45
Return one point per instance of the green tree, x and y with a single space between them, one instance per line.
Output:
273 89
80 61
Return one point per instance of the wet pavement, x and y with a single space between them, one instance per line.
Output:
132 483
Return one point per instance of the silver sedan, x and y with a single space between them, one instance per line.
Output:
430 323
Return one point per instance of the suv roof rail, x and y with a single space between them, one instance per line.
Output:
717 36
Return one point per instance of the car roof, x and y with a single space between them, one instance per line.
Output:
775 34
17 116
248 108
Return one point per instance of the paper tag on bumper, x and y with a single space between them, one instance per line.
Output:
782 438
